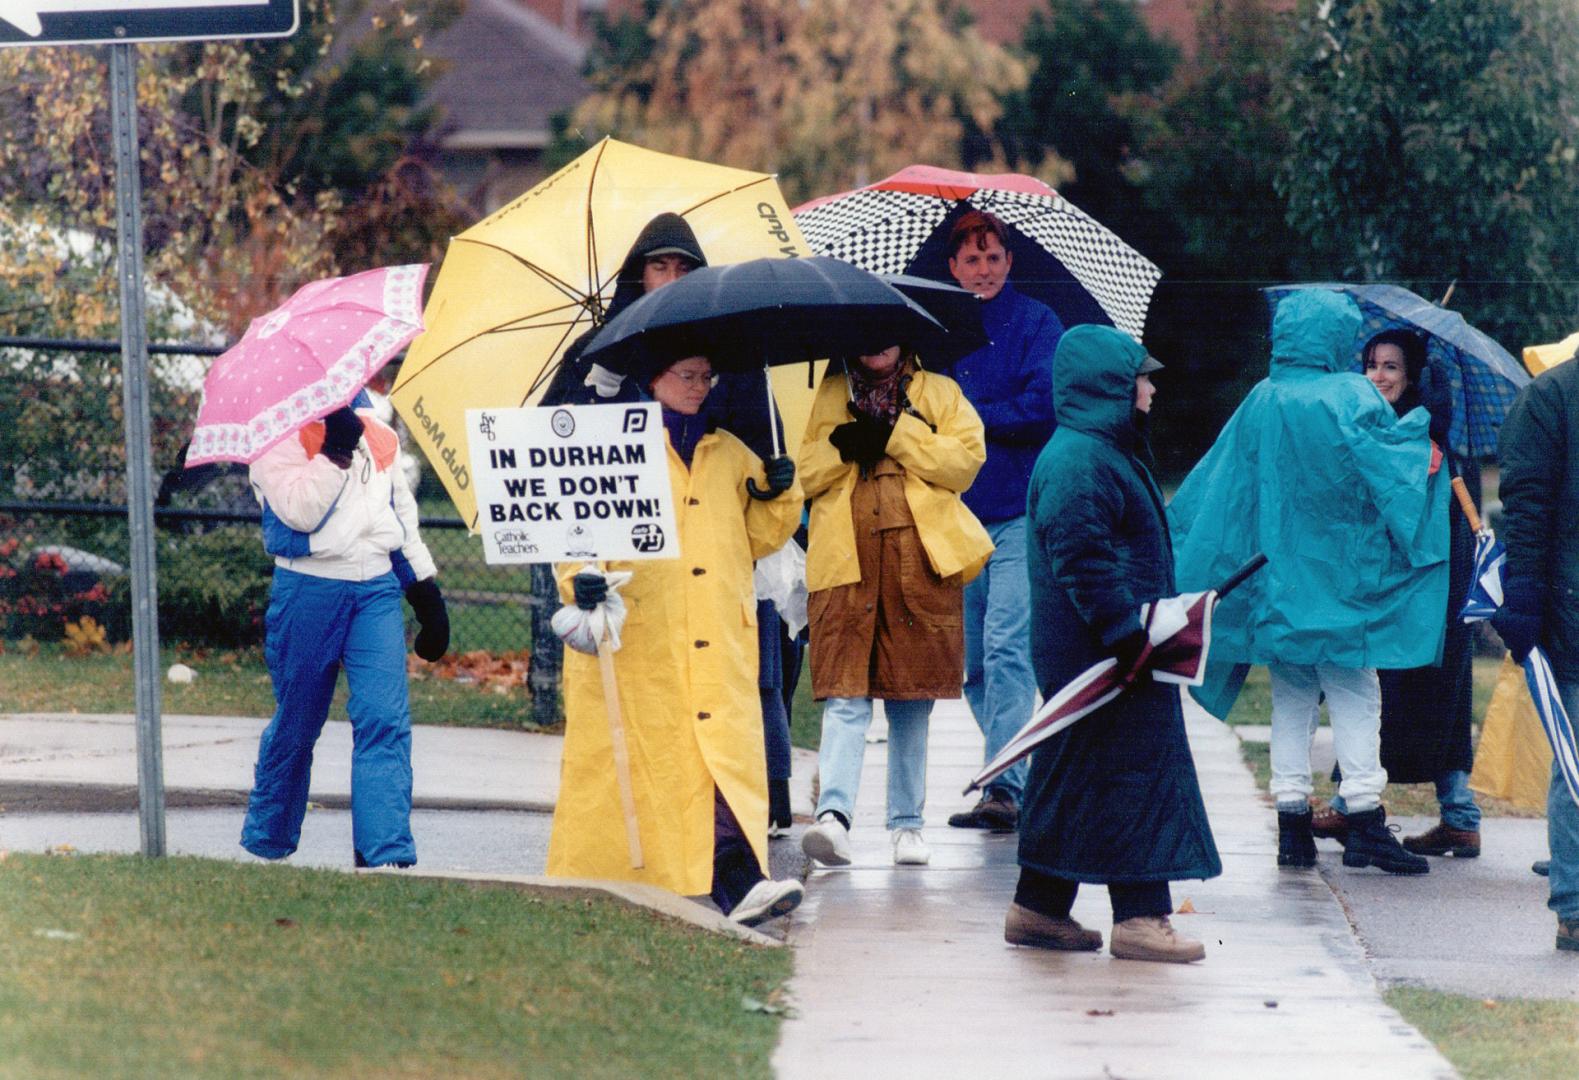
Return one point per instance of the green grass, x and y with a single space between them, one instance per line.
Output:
1496 1040
128 967
1404 800
44 679
805 715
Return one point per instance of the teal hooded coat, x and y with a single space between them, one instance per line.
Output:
1317 472
1113 798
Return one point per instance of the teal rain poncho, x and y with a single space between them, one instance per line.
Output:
1316 471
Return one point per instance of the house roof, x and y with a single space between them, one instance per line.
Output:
509 71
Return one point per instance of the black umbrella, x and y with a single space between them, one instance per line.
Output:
762 313
959 310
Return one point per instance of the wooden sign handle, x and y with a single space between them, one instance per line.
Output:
1466 504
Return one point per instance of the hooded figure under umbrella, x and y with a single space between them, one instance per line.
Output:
665 251
1114 799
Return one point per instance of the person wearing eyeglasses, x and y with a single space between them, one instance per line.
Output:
687 672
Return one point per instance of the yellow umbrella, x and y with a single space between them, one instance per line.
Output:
521 285
1539 358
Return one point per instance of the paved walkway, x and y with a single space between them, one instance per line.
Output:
904 971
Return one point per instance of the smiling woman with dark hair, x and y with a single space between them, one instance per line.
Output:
1426 711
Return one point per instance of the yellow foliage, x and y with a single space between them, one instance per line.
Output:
85 636
828 94
206 212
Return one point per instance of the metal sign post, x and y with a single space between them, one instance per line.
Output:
65 22
139 467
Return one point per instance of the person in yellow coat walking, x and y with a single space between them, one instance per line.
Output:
687 674
889 448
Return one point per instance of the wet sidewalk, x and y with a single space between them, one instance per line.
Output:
904 971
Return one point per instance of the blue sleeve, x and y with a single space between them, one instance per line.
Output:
1026 417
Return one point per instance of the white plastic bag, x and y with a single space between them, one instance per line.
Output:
582 630
781 578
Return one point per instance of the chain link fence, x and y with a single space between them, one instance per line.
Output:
61 561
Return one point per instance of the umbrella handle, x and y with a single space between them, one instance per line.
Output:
1237 578
1466 504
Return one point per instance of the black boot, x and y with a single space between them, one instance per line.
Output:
1372 843
1296 846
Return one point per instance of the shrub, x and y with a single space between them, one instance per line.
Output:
213 588
40 594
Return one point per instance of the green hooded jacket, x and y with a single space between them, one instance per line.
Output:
1316 471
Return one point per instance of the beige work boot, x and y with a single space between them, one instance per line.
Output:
1023 926
1152 937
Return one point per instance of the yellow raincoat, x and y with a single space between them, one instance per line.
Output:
687 674
937 469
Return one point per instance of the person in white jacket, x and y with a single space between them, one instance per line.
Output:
341 523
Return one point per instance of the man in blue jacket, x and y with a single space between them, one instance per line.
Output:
1010 383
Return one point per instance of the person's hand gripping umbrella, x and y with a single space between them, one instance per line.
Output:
1520 630
1178 636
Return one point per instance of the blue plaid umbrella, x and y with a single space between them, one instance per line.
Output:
1485 597
1484 376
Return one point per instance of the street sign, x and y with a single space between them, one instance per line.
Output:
88 22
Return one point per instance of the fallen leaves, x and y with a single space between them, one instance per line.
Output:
498 672
85 637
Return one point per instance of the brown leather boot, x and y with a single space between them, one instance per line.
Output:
1152 937
1327 824
1444 840
1026 927
1568 934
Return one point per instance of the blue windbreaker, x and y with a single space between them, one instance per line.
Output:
1009 382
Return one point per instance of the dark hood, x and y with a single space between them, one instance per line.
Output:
1094 373
666 231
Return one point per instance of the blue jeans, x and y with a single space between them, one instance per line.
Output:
844 724
1453 797
1562 830
999 683
316 626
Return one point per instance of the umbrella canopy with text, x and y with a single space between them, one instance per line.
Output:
516 289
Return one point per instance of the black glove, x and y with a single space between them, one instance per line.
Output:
1518 620
1436 394
1127 649
780 474
342 430
433 619
871 437
590 590
845 438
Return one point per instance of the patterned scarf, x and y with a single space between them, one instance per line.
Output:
879 397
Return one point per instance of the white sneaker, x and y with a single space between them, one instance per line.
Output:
828 841
910 849
767 900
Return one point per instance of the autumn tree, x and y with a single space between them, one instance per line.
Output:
1438 142
829 94
1095 78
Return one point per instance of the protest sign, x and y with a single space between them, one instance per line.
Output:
572 482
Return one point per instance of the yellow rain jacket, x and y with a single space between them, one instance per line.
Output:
687 674
937 469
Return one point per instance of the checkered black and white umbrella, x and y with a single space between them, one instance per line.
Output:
1062 256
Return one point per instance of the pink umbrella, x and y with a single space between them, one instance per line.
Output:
305 359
